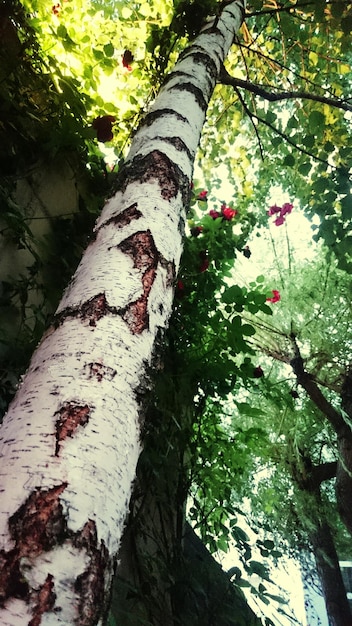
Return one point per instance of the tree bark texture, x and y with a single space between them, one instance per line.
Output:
328 568
309 478
71 438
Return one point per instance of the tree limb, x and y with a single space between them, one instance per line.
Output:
308 383
226 79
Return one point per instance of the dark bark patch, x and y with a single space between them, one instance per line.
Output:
45 601
140 247
90 585
125 217
37 526
39 523
200 57
156 166
170 271
71 416
195 91
153 116
99 371
178 144
12 582
94 309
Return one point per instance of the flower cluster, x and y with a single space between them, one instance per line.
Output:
225 212
281 212
275 297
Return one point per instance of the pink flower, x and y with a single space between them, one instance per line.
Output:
227 212
286 208
202 195
214 214
273 210
275 297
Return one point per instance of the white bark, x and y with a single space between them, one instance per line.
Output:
71 439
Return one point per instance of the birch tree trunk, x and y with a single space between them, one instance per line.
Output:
71 438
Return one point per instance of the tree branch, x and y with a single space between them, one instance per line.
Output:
313 391
321 473
226 79
284 9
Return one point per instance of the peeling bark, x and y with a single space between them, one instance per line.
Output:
71 417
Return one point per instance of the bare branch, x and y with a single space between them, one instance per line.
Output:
226 79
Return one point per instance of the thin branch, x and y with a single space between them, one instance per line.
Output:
226 79
292 143
250 115
280 65
291 8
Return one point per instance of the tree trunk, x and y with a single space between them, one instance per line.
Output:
308 478
329 572
344 469
71 438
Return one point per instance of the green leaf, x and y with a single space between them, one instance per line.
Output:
62 31
248 330
233 294
289 160
304 168
109 50
316 121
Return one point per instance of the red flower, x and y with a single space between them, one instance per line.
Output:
196 230
103 126
214 214
127 59
275 297
202 195
258 372
227 212
204 261
180 289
